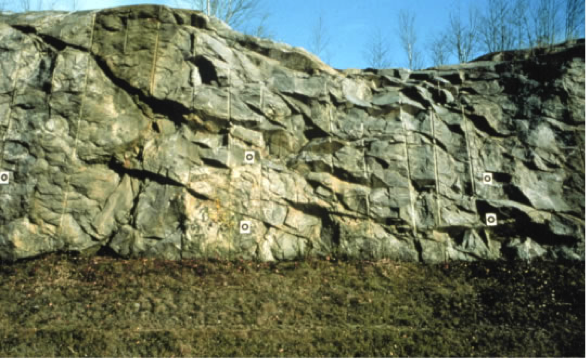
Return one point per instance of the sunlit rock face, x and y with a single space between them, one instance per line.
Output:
163 133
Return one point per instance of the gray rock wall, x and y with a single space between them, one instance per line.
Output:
161 132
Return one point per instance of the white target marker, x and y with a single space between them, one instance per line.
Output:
245 227
4 177
249 157
491 219
487 178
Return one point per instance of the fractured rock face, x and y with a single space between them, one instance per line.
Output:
162 132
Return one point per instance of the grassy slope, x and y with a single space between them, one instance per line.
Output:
75 306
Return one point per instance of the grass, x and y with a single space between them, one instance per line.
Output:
67 305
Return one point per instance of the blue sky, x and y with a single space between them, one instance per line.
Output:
349 23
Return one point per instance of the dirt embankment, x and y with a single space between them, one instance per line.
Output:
75 306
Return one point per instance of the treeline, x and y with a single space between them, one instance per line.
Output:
498 26
506 25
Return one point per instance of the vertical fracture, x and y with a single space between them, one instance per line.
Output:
435 171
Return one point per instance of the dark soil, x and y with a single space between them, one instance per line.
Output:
76 306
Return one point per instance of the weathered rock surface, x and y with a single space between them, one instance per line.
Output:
162 132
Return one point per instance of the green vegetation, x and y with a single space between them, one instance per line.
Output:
77 306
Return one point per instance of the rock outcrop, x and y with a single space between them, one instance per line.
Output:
161 132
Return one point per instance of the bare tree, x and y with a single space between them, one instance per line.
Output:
463 38
234 12
25 5
574 12
496 27
439 49
320 40
408 36
377 51
261 30
546 22
513 24
583 20
520 24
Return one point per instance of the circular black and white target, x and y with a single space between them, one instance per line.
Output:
249 157
491 219
245 227
487 178
4 177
